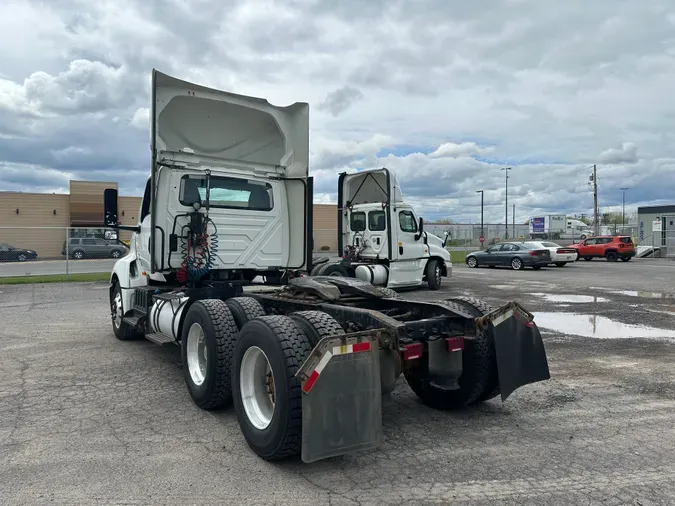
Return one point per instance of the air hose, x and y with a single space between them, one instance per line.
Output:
199 248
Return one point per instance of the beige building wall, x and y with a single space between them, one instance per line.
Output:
34 210
86 205
86 202
325 227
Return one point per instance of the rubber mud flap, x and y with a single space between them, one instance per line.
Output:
521 356
341 397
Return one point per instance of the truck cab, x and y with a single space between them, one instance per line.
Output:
227 174
381 237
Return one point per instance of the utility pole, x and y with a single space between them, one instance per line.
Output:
595 200
482 234
623 209
513 219
506 205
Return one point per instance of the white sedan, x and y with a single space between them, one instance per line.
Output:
560 255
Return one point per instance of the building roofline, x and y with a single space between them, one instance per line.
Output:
667 209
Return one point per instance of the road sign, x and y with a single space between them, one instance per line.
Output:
481 239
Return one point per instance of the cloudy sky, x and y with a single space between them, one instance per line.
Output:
444 92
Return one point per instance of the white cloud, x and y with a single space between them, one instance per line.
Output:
141 118
452 150
443 93
626 153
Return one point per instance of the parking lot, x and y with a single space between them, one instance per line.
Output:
85 418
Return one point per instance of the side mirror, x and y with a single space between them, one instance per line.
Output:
447 236
110 207
420 230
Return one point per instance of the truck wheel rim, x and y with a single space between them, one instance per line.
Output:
117 310
196 354
437 274
336 274
256 384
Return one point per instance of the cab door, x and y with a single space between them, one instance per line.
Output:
411 252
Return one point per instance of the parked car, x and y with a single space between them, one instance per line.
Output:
610 247
92 247
560 255
517 255
9 253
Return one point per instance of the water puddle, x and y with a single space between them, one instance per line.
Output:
598 327
637 293
670 313
575 299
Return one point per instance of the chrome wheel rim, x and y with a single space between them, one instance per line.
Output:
116 309
516 263
336 274
437 274
472 262
196 354
256 385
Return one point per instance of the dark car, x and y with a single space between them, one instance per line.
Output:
11 254
94 247
510 254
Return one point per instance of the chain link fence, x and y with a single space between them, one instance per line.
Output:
45 251
468 235
61 251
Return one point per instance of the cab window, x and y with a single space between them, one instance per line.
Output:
376 221
357 221
407 221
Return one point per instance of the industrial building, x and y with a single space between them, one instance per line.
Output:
42 221
656 227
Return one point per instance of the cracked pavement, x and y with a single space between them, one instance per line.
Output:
88 419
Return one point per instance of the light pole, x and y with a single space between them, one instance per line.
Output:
506 205
623 209
481 215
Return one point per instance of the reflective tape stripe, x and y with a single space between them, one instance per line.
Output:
351 348
337 350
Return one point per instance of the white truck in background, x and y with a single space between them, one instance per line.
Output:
229 197
558 226
381 239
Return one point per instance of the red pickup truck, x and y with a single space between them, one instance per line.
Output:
611 247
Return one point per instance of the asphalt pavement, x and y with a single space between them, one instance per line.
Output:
87 419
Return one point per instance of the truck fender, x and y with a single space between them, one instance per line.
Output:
121 275
444 266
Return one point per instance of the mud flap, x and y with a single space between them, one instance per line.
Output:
341 397
519 348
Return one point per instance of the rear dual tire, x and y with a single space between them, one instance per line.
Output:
479 380
269 409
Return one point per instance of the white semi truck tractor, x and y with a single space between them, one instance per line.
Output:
381 239
229 198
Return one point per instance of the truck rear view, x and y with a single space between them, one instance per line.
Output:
229 198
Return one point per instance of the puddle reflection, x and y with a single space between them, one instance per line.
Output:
599 327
